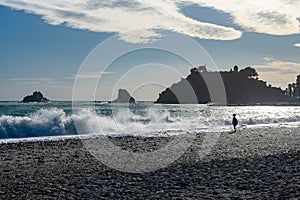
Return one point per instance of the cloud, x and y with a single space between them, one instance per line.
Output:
277 72
297 45
275 17
120 16
31 79
88 75
34 81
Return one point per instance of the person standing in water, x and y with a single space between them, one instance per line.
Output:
234 122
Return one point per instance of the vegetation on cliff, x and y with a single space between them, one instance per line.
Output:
241 87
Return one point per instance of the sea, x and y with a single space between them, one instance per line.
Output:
66 119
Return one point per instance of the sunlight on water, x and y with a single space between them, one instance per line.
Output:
144 119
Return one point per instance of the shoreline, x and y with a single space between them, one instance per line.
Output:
252 163
221 130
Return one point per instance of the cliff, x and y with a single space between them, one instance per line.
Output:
242 88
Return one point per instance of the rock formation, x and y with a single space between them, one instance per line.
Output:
242 88
123 97
35 97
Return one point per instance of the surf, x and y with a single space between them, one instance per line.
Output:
138 120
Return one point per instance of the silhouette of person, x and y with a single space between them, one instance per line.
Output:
234 122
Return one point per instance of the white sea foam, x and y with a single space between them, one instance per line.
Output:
42 123
156 121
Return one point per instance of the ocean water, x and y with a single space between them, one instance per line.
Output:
60 119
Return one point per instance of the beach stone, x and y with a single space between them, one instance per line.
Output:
272 174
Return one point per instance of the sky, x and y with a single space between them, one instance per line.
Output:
51 46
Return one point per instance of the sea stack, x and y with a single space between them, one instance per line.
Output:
123 97
35 97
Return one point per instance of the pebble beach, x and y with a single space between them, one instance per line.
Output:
251 163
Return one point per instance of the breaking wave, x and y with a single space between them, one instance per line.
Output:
155 122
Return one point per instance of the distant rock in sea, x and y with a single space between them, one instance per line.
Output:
123 97
35 97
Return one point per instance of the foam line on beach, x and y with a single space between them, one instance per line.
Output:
49 123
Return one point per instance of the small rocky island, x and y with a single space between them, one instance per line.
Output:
35 97
123 97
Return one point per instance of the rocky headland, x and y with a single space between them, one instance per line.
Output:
242 87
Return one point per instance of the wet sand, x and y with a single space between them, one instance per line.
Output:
251 163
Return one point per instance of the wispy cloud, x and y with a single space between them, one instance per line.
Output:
277 72
88 75
120 16
275 17
34 81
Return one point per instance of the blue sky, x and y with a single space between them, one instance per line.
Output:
43 44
